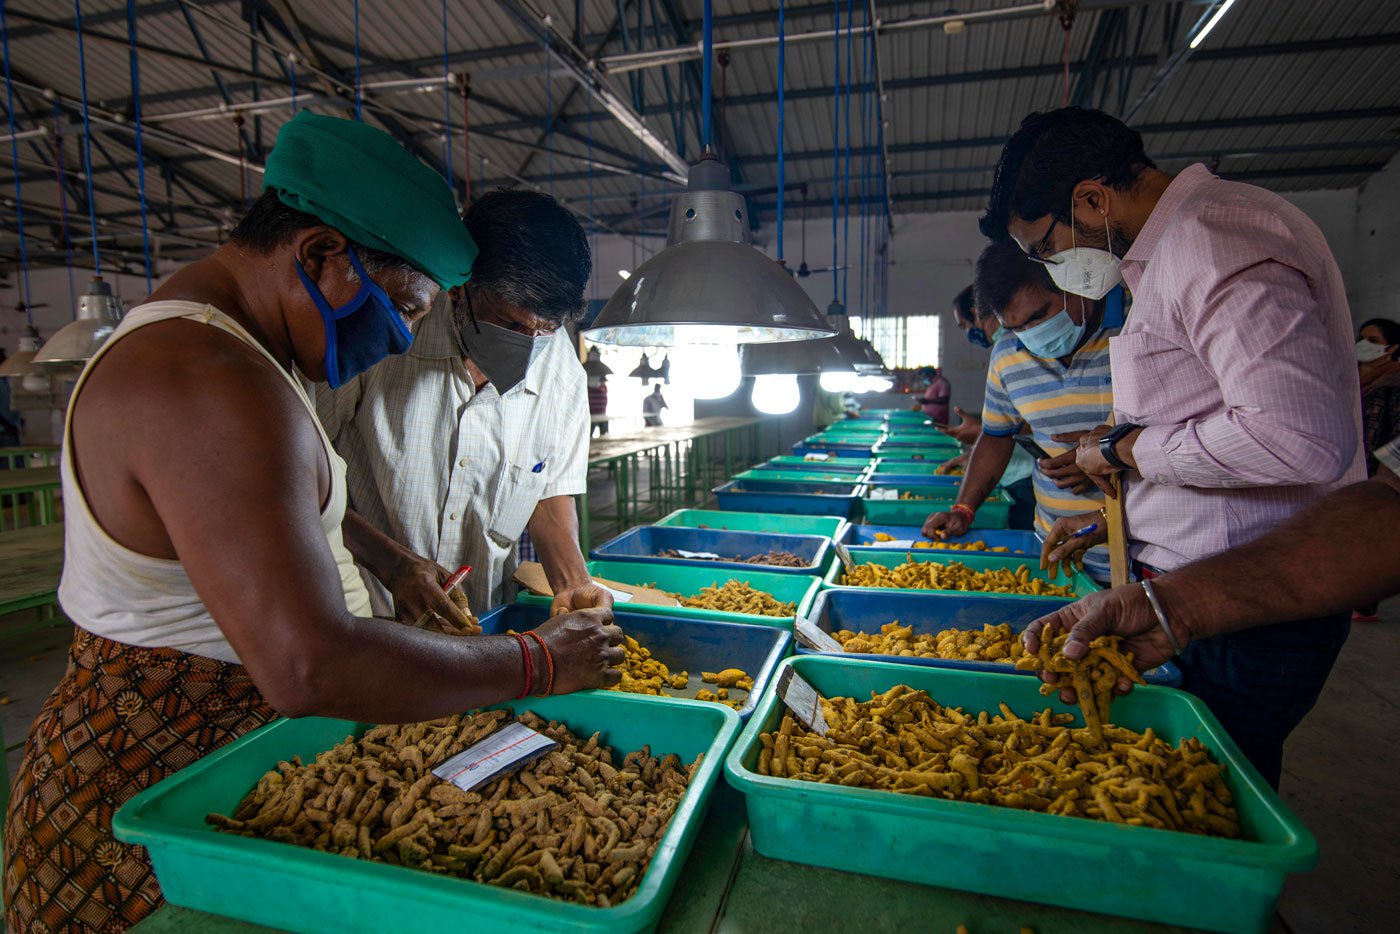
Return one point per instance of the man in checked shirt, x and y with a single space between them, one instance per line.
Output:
1234 381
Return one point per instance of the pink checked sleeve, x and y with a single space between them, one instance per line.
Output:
1287 410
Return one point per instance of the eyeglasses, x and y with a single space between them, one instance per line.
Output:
1034 254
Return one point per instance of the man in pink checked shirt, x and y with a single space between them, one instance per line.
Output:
1234 390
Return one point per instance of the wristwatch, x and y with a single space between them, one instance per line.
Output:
1107 442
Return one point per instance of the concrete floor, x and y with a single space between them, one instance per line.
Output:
1339 773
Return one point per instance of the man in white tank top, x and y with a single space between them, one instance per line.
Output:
205 572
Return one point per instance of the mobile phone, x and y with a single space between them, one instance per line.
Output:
1028 443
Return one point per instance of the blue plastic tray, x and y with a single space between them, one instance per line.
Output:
808 499
867 611
850 465
685 645
642 544
1019 541
946 481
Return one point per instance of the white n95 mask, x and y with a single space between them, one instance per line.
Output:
1086 271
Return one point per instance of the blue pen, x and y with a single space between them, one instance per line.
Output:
540 466
1086 530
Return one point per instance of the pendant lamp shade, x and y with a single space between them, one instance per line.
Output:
99 313
709 285
20 364
841 353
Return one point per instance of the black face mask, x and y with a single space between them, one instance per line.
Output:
978 338
503 355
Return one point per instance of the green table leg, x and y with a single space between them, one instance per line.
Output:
585 534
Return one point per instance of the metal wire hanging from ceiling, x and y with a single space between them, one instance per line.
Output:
140 147
25 295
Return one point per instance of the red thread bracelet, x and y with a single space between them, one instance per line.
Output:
548 658
529 665
966 509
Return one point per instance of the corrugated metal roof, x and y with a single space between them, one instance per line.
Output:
1328 73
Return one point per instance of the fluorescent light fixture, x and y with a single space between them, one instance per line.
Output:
1210 24
624 274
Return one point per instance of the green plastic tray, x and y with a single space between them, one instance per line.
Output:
995 513
831 526
794 462
684 580
1082 583
938 453
798 475
1136 872
298 889
893 465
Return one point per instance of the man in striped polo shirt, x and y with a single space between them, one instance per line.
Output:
1049 374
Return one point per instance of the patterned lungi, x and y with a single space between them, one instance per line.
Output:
122 718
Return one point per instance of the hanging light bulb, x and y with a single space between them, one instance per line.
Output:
99 313
876 383
775 395
708 278
840 382
19 364
706 370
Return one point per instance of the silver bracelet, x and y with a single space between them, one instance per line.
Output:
1161 616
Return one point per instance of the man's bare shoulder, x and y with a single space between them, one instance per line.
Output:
182 363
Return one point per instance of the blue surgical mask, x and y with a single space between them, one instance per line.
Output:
361 332
1056 336
977 336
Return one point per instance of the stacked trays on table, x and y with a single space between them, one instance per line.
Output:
689 581
866 610
845 465
785 496
1138 872
800 475
295 888
842 448
1020 542
688 645
938 453
833 527
644 544
933 497
1081 583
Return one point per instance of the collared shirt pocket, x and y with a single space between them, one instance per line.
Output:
516 497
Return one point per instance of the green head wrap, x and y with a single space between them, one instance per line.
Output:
359 180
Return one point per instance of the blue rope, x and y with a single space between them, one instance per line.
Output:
549 111
846 183
140 150
87 135
446 97
707 75
782 71
836 157
359 117
14 157
866 237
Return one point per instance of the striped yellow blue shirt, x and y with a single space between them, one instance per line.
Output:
1024 390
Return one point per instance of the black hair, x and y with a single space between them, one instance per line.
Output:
270 223
1050 154
965 305
1002 271
533 253
1390 330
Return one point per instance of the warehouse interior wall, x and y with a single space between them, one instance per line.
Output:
1374 284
